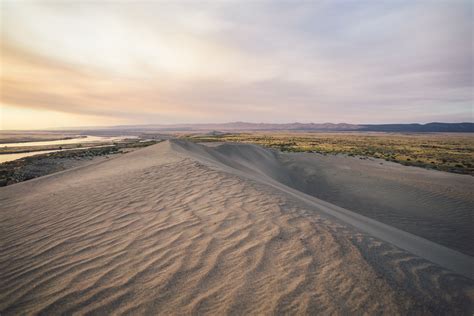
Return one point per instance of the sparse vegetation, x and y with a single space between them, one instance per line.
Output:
446 152
35 166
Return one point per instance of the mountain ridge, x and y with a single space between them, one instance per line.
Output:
465 127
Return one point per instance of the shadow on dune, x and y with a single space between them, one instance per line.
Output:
399 205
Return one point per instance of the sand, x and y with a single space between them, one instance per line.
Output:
435 205
179 228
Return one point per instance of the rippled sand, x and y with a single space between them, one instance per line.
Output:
164 231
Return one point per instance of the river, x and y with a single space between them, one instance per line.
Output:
81 140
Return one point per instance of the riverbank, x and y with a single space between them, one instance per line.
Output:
27 168
7 137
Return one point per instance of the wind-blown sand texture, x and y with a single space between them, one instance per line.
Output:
179 228
438 206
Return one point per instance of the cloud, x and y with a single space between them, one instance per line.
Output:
358 62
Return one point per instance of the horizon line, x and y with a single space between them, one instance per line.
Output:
65 128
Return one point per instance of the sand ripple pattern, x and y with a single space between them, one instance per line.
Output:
154 232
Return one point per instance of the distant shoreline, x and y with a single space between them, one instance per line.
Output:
27 168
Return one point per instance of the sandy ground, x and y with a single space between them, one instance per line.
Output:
178 228
20 170
435 205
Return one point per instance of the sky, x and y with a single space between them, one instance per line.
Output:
97 63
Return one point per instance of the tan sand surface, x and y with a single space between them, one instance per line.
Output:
435 205
178 228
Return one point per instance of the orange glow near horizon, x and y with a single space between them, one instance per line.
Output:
17 118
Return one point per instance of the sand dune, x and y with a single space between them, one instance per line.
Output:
179 228
437 206
434 205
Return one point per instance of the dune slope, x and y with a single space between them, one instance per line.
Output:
179 228
438 206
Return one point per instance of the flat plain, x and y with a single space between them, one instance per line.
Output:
451 152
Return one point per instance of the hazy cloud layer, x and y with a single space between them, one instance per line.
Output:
168 62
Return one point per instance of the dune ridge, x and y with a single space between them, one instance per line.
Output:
257 163
174 229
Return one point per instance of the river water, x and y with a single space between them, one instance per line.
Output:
83 140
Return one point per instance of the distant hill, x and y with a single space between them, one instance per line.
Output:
421 128
323 127
234 127
243 126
